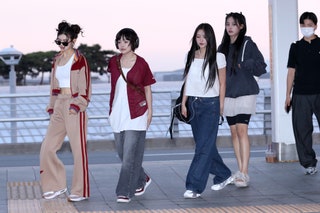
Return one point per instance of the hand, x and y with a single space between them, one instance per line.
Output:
184 110
287 104
149 119
72 112
221 109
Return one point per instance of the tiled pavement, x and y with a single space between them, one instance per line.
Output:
274 187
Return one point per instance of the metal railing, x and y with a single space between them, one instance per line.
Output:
30 120
23 118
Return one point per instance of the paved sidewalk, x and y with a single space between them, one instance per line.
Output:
274 187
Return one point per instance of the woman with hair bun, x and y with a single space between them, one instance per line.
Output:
70 92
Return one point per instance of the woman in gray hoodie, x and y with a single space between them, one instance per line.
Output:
244 64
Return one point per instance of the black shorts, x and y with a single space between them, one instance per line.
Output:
241 118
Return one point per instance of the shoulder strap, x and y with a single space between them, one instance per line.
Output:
119 67
124 78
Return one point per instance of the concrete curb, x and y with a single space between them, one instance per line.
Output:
151 143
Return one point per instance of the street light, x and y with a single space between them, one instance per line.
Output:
11 57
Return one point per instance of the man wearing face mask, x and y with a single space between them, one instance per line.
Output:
303 80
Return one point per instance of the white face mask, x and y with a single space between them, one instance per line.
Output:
307 31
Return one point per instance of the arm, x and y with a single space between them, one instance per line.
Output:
148 92
83 85
222 89
53 93
253 60
291 74
184 111
290 79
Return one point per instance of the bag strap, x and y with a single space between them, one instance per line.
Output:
124 78
244 48
170 130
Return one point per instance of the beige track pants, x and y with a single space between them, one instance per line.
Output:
52 170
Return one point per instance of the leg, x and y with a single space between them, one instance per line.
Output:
77 134
303 128
316 110
235 140
236 145
131 148
52 171
144 179
207 158
242 133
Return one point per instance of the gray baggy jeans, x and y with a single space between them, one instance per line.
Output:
130 148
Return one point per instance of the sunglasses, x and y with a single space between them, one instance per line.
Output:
64 43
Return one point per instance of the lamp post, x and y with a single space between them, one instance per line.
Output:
10 56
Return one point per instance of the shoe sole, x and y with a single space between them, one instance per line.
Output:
242 185
311 173
193 197
76 199
123 200
55 194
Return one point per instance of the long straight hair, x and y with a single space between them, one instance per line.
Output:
224 48
210 55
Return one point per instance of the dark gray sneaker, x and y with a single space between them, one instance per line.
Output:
311 170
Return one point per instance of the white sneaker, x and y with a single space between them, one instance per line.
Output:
311 170
53 194
242 180
191 194
220 186
234 176
76 198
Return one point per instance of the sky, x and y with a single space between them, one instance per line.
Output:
165 27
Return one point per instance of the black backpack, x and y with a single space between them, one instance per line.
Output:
176 113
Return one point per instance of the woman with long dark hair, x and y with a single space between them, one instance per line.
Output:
204 90
244 64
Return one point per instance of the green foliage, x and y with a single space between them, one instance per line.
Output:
98 59
37 63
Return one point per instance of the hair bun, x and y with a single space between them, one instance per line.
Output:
76 28
63 25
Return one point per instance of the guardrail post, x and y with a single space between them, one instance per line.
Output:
13 106
267 116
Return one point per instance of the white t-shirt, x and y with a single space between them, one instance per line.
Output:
119 118
196 82
63 73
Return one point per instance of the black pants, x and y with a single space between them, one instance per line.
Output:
303 108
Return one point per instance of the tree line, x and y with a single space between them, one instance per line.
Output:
37 63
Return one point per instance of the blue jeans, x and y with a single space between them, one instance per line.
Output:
205 114
130 148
